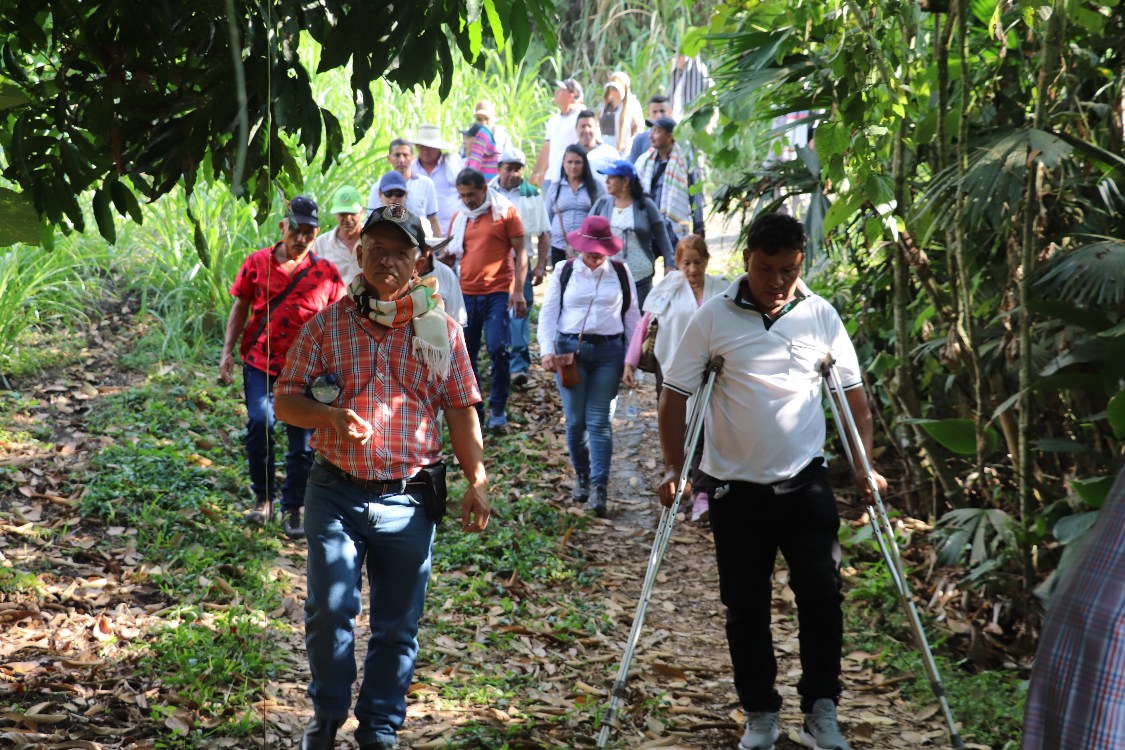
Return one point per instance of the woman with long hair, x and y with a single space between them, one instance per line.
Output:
590 307
569 200
637 221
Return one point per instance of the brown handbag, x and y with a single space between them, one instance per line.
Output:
647 361
567 365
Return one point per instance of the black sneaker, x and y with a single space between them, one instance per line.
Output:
519 380
292 523
580 493
596 504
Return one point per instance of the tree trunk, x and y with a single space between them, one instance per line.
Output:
1052 47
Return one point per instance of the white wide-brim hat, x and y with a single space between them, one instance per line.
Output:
430 135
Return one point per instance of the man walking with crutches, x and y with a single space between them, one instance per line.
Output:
763 467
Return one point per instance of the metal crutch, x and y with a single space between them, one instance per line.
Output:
885 534
660 544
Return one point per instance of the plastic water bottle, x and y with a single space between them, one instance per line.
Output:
631 404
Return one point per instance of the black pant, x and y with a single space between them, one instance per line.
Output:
751 522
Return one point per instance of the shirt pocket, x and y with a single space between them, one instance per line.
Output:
805 359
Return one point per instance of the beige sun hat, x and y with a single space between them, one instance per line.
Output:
430 135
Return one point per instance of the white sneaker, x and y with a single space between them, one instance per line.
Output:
821 731
761 731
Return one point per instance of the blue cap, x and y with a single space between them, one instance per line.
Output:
621 168
392 180
664 123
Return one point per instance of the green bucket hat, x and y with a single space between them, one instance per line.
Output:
346 200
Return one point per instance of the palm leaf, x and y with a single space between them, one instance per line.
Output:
993 183
1091 276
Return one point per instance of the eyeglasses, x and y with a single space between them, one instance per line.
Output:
395 193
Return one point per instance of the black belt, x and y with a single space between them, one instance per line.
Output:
374 486
596 338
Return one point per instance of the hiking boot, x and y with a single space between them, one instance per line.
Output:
321 734
294 529
820 730
596 503
261 513
761 731
497 422
519 380
580 493
701 508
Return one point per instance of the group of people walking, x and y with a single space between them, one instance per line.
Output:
368 337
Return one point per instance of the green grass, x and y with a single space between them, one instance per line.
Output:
216 665
172 478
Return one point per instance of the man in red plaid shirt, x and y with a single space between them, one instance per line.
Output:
371 374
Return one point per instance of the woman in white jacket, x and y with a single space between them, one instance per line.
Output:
671 303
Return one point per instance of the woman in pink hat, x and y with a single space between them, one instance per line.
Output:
591 303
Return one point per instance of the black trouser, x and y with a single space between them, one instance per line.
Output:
751 522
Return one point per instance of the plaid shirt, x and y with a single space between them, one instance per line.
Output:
260 280
383 382
1076 698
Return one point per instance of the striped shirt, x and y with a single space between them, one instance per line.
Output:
1076 697
383 382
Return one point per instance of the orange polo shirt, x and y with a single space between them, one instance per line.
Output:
487 266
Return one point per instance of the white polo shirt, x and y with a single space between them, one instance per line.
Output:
765 421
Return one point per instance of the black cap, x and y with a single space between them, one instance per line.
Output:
302 210
398 215
664 123
472 130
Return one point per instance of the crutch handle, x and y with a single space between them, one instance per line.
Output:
827 364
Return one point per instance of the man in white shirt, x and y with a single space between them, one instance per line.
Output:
600 155
423 201
438 160
763 468
338 244
560 133
529 202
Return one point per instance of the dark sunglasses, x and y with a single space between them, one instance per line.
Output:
394 193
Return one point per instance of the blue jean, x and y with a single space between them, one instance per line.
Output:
346 528
487 314
589 405
521 332
260 423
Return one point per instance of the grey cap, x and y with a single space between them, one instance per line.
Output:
512 155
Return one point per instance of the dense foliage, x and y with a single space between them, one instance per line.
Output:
963 196
125 96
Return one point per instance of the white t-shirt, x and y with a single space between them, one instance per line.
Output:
560 133
601 157
327 246
450 290
765 421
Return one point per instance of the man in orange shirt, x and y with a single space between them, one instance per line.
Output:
488 238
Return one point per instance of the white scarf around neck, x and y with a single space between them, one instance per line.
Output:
493 201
